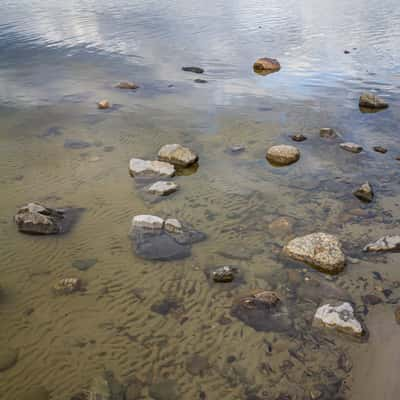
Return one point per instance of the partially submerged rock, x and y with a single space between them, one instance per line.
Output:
127 85
370 100
329 133
103 104
177 155
68 286
196 70
351 147
320 250
298 137
140 168
380 149
163 188
35 218
156 239
237 148
385 243
339 317
263 310
224 274
283 154
364 192
265 65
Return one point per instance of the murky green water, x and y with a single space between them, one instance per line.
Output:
166 326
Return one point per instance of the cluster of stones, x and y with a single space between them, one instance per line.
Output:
170 157
125 85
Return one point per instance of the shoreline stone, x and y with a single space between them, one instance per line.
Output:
127 85
103 105
283 155
139 167
370 100
319 250
146 221
339 317
177 155
385 243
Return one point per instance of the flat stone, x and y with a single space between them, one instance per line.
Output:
127 85
67 286
103 104
147 222
163 188
84 265
320 250
138 167
340 317
364 192
172 225
385 243
196 70
370 100
224 274
8 358
283 154
380 149
351 147
177 155
76 144
265 65
328 133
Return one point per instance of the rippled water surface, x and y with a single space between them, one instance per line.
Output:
163 327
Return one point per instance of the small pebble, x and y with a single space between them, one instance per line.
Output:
103 105
380 149
298 137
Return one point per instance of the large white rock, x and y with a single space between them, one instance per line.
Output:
320 250
283 154
139 167
163 188
147 222
177 154
340 317
385 243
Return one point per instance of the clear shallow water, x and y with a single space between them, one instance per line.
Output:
58 59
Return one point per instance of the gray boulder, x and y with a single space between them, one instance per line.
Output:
177 155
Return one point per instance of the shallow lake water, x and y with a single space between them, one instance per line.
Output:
165 327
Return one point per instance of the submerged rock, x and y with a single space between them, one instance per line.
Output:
156 239
320 250
280 227
265 65
364 192
177 155
127 85
84 265
196 70
76 144
262 310
224 274
385 243
8 358
99 388
103 104
37 219
380 149
298 137
283 154
139 167
397 314
68 286
328 133
165 390
197 365
340 317
351 147
163 188
370 100
237 148
200 81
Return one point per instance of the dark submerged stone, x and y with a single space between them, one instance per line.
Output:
196 70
